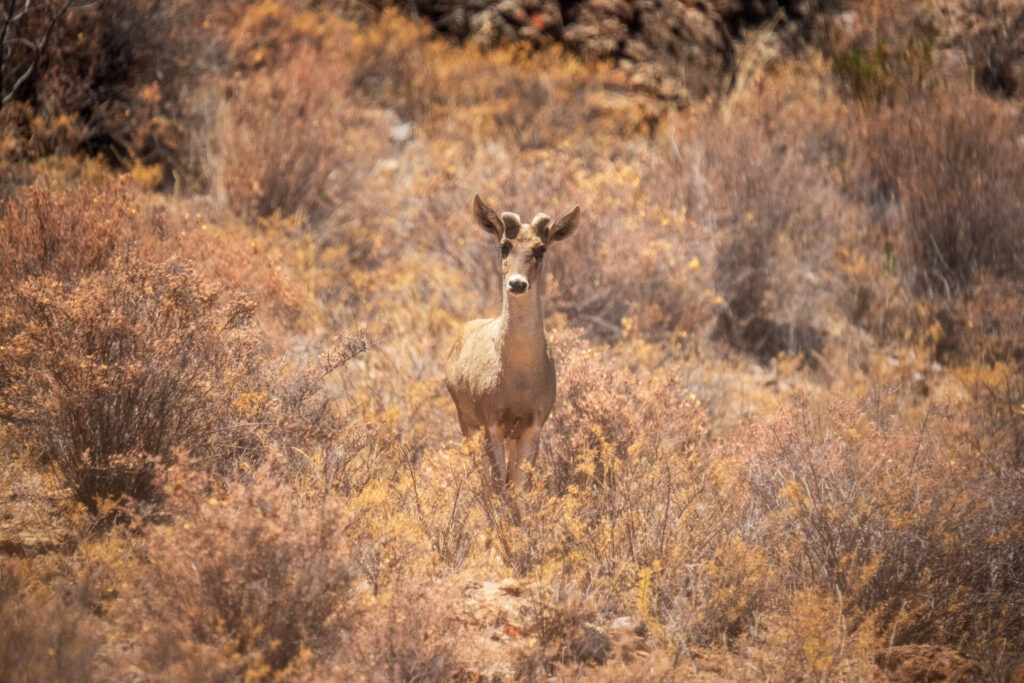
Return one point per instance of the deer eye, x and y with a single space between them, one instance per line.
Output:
506 247
538 254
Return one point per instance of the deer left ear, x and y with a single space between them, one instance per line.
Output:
564 226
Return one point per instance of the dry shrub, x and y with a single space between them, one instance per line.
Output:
750 171
445 490
887 56
44 636
634 264
124 70
994 46
809 637
563 620
246 582
952 168
411 635
892 49
64 234
996 415
293 139
108 378
269 33
892 517
28 136
592 435
464 94
985 325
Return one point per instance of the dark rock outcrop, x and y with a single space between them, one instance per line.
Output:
684 50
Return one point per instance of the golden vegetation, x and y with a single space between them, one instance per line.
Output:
788 439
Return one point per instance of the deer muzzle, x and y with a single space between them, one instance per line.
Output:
517 284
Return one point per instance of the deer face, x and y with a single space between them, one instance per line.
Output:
523 244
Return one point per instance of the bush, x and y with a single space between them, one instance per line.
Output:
110 378
563 621
63 235
767 192
891 516
292 139
951 169
44 637
412 635
246 582
122 70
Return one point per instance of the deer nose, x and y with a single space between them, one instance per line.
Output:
517 284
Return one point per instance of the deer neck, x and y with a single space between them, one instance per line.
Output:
521 328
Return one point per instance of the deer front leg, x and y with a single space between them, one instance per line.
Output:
525 451
514 454
496 449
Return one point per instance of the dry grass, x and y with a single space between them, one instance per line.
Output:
788 438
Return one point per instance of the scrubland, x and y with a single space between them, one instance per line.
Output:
235 247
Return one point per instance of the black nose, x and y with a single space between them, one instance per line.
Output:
517 286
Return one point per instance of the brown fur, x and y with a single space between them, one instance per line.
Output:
500 372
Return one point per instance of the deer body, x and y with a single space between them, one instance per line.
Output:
500 372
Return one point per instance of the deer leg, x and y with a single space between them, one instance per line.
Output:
526 451
496 449
513 450
465 425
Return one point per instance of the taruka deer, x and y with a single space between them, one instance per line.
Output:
500 372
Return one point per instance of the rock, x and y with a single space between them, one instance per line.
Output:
684 50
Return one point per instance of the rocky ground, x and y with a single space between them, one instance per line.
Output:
684 50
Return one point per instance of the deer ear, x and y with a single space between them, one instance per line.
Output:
486 218
564 226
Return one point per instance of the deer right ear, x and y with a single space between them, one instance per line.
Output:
486 218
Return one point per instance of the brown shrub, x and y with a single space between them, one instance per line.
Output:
269 33
42 636
64 234
592 434
246 581
994 47
887 57
445 489
951 169
765 189
809 637
996 415
891 516
293 139
412 635
123 69
464 94
563 621
110 377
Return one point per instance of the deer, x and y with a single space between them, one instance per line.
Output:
500 372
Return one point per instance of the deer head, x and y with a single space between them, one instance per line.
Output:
523 244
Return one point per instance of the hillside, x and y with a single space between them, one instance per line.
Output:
237 243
